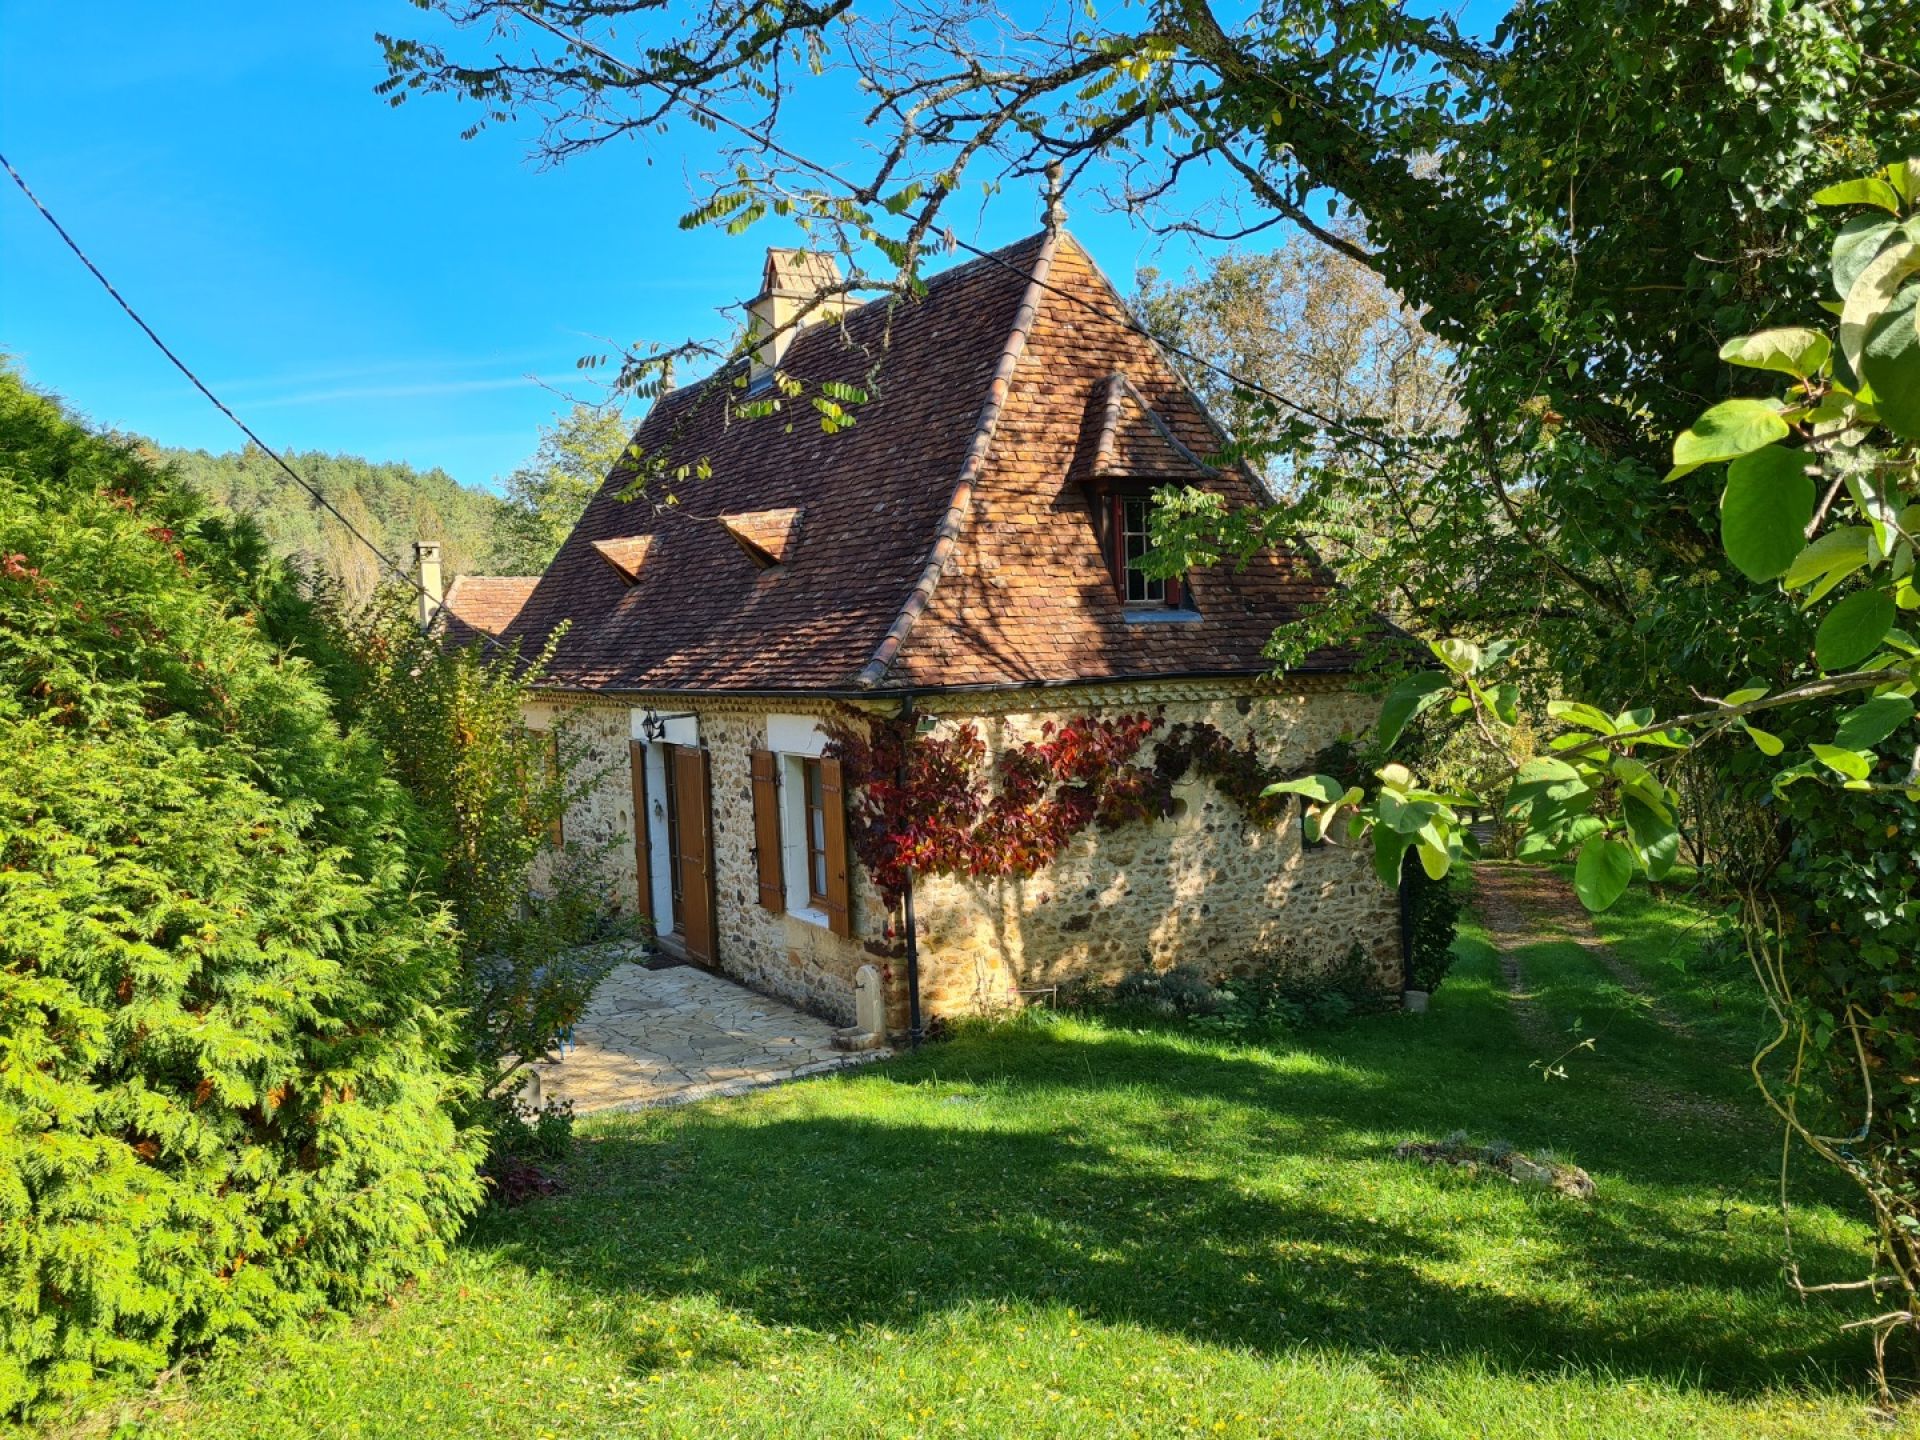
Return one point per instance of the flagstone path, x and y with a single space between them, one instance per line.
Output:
664 1037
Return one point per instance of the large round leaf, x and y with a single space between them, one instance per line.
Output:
1791 350
1601 874
1765 510
1655 839
1890 363
1854 248
1730 429
1853 629
1872 293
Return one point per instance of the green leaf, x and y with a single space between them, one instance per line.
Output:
1601 873
1853 629
1434 860
1872 293
1388 848
1904 176
1831 558
1575 712
1865 726
1765 511
1859 241
1552 844
1731 428
1656 841
1868 191
1792 350
1322 788
1890 363
1849 763
1765 741
1411 695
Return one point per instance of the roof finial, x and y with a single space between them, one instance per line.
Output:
1056 213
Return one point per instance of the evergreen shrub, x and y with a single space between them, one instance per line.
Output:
225 1080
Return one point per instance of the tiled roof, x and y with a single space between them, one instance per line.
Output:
477 605
946 538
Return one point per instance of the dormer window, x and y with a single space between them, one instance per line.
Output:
1122 514
1138 587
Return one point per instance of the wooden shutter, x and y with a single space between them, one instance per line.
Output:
766 829
642 856
696 853
833 806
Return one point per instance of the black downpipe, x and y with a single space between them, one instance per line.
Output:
915 1031
1406 922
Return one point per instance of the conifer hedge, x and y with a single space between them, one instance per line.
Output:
224 1047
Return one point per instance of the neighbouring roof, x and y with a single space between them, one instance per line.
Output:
477 605
945 539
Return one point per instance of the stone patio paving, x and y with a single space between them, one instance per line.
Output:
664 1037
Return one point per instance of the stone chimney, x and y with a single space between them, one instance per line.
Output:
791 279
426 570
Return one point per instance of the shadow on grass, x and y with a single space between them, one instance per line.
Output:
1238 1198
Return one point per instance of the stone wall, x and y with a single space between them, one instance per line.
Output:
1204 887
598 830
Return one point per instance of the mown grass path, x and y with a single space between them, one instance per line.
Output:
1066 1227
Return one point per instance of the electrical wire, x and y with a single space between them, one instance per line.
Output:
399 572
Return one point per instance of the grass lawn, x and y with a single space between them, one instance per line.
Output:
1071 1228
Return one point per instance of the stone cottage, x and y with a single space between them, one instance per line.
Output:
967 552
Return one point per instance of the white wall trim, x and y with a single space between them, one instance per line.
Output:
796 735
681 729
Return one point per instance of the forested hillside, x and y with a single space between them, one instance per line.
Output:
391 503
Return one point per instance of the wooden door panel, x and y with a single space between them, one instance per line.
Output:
642 855
693 793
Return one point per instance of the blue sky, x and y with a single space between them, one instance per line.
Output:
347 275
350 276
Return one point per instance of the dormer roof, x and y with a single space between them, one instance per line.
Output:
765 535
625 554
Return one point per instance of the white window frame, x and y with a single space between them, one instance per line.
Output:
793 740
681 730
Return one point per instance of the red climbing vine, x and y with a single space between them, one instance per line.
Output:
924 804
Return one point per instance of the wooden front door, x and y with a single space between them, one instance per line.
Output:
690 830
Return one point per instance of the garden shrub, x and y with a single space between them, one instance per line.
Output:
489 795
225 1048
1260 994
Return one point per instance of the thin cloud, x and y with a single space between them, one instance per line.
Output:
363 369
404 392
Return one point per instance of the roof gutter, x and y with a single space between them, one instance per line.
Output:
947 536
841 692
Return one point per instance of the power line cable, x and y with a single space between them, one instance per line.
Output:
404 575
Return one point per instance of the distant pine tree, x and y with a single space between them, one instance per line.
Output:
390 502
